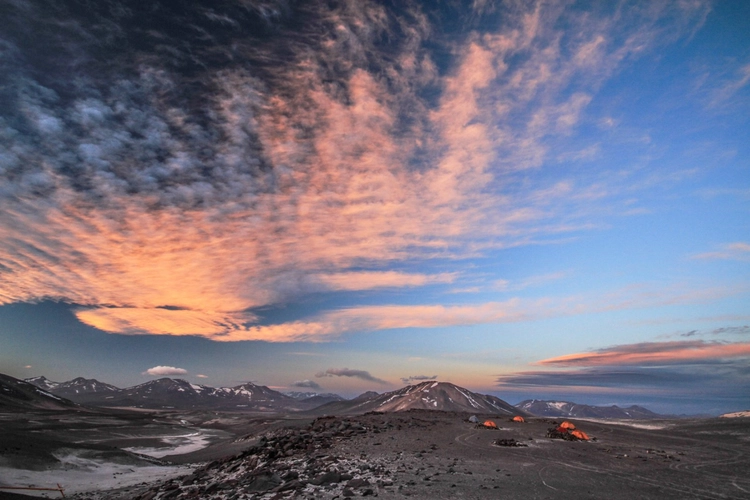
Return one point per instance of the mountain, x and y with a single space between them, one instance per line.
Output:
20 395
321 399
427 395
43 383
572 410
84 390
314 398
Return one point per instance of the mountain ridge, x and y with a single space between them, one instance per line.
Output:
549 408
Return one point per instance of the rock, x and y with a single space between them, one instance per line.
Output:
357 483
264 482
292 474
327 478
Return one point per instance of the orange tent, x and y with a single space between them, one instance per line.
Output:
580 435
490 424
567 425
518 418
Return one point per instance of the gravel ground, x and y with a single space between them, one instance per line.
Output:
431 454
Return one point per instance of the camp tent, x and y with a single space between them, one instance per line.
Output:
580 435
490 424
568 425
473 419
518 418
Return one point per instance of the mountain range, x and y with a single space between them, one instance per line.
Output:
573 410
168 393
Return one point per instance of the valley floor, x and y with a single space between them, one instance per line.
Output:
431 454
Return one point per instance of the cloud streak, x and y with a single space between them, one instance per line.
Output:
346 372
417 378
654 353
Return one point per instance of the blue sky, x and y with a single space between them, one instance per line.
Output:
533 200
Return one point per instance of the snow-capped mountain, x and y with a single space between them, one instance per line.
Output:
21 395
42 383
572 410
426 395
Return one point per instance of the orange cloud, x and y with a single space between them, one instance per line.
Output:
364 280
317 178
654 353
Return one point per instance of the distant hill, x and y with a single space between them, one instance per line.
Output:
427 396
542 408
20 395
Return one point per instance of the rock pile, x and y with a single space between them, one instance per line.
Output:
289 462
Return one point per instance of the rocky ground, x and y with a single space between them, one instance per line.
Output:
430 454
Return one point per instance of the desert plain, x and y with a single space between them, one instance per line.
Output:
118 454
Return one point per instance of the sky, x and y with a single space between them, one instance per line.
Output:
530 199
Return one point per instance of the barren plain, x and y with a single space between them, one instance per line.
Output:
412 454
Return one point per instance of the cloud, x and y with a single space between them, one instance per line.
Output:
331 324
28 366
417 378
161 371
730 86
346 372
170 190
674 378
730 251
654 353
308 384
200 375
370 280
724 330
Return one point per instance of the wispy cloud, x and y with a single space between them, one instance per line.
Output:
346 372
170 190
200 375
730 251
654 353
730 85
161 371
331 324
